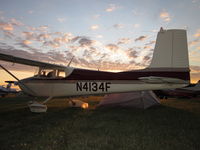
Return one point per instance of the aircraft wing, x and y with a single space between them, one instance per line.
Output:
153 79
29 62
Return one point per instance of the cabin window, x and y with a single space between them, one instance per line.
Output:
61 74
50 73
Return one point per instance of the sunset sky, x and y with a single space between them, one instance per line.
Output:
110 35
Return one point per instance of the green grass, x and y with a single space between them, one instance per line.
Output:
172 126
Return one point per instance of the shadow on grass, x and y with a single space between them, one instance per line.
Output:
116 128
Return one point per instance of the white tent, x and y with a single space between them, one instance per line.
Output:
141 99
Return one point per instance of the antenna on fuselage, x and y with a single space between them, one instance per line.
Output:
70 61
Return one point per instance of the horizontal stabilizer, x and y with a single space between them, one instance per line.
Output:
153 79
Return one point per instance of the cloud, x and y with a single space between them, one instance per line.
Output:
15 22
29 35
53 44
57 56
26 42
94 27
76 38
195 69
150 43
194 42
6 26
140 38
42 28
112 47
111 8
197 34
195 73
124 41
96 16
131 53
43 36
86 42
148 47
136 12
118 26
54 40
165 16
99 36
39 29
8 34
136 25
194 1
37 43
61 20
57 40
92 58
147 58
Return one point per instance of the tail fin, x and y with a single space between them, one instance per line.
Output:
171 54
171 50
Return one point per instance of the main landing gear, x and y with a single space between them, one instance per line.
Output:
37 107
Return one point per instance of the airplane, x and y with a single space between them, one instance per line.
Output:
169 68
190 91
8 90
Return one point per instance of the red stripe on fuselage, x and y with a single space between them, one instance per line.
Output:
79 74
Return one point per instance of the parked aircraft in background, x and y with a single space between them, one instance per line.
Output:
169 68
5 90
193 90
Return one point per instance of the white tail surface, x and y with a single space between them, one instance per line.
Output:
171 50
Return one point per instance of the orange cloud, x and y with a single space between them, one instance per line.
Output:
29 35
111 8
94 27
6 26
148 47
194 42
124 41
197 34
165 16
195 69
27 42
44 36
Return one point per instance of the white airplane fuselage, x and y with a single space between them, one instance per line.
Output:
65 88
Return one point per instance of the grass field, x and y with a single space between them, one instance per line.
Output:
175 125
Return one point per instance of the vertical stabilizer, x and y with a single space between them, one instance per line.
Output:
171 50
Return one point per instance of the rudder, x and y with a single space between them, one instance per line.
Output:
171 50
